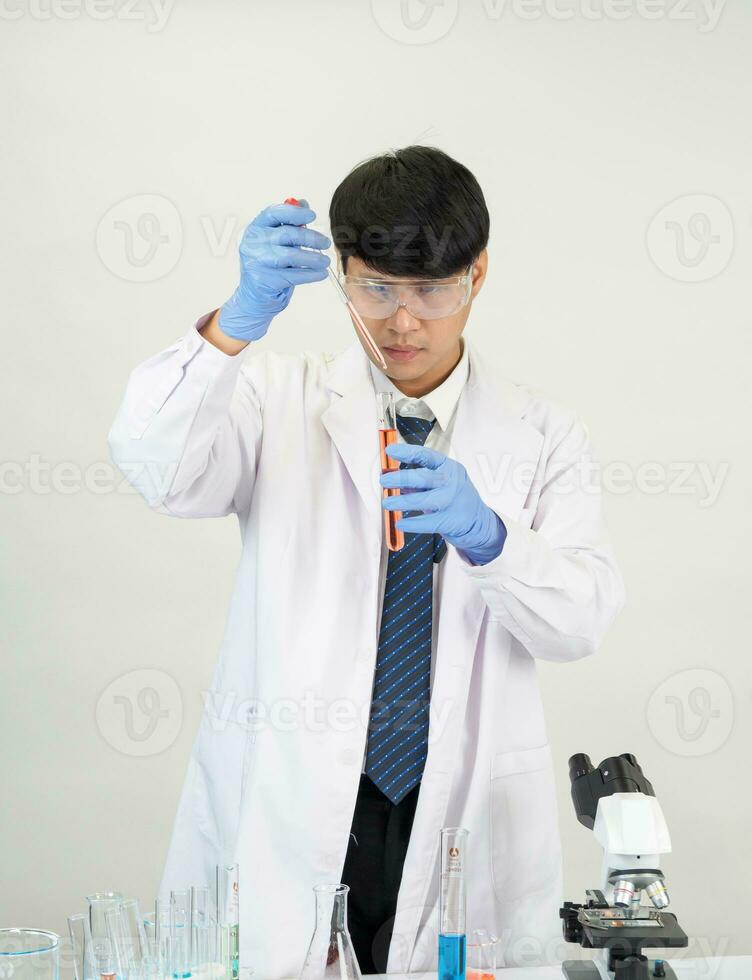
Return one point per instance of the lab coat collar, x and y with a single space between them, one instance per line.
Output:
441 402
349 371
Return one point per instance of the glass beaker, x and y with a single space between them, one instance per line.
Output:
481 955
331 952
29 954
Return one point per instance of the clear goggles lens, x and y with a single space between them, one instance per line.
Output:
425 299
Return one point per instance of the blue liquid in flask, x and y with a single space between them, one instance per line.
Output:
452 957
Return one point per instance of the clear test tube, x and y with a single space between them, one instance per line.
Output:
201 919
152 965
452 905
119 959
79 929
228 919
133 928
161 918
387 424
180 934
99 904
162 933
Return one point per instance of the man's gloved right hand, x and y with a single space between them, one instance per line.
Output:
273 260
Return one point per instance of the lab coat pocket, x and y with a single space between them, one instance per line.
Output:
525 853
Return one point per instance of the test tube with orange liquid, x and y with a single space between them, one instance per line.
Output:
387 422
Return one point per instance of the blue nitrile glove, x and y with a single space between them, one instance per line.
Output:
452 506
272 262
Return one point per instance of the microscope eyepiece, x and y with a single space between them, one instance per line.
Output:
617 774
580 765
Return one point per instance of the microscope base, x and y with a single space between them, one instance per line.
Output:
587 970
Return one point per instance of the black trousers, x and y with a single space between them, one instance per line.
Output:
373 870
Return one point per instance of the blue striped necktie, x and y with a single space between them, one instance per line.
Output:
398 730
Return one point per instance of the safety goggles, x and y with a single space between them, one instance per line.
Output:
425 299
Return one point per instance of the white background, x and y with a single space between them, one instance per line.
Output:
581 131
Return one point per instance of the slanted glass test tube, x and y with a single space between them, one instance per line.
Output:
387 423
100 903
82 947
135 936
119 962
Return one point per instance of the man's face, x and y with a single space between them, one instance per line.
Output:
419 353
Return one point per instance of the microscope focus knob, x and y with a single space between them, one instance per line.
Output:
571 926
632 968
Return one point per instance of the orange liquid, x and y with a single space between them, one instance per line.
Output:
477 975
395 539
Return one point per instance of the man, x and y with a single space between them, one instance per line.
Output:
364 698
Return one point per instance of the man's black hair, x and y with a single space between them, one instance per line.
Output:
414 212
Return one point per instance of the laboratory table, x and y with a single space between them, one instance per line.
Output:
712 968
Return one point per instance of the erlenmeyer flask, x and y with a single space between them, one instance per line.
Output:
331 952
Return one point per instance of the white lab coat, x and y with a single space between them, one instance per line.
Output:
288 443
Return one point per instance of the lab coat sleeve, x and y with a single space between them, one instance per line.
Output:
188 432
555 585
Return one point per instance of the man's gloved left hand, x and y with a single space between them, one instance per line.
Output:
452 507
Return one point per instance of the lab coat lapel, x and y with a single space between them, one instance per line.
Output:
499 451
350 421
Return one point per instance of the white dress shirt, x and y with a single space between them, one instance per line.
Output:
441 405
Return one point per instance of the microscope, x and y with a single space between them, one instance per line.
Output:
618 804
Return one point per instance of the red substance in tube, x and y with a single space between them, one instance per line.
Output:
395 539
